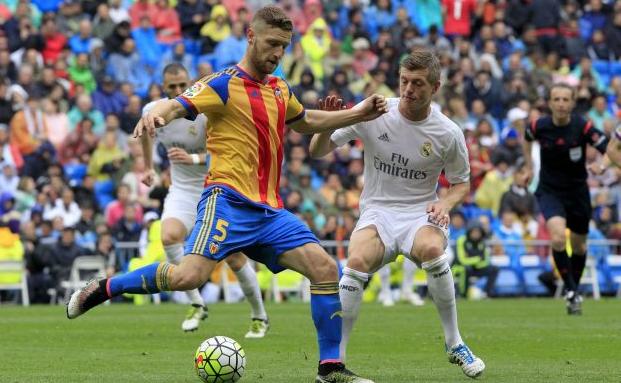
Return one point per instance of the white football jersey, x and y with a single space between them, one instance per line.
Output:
403 159
191 137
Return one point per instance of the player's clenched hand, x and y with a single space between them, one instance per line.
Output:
147 124
179 156
438 213
372 107
331 103
148 178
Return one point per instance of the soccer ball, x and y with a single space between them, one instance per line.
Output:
220 360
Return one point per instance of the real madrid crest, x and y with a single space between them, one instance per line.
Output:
426 149
192 130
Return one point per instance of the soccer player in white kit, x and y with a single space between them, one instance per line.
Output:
405 150
185 141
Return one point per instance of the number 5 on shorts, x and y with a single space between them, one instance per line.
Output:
221 226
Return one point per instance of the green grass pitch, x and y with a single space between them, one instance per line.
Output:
521 340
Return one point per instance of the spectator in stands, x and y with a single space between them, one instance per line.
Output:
79 144
115 210
613 34
494 184
61 257
105 248
316 44
9 180
147 45
231 49
28 128
66 208
474 256
54 40
80 43
138 191
140 10
128 229
82 110
191 14
520 201
166 23
458 17
179 55
132 113
86 235
107 151
510 234
118 13
114 42
108 99
363 58
215 30
80 73
103 24
599 113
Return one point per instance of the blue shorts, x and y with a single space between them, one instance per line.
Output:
228 222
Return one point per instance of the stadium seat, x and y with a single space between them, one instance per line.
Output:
104 193
10 269
602 67
75 173
612 269
531 267
82 270
509 281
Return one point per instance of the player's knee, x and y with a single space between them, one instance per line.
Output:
558 241
358 263
236 261
323 269
184 279
171 238
430 251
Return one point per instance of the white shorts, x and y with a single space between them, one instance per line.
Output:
181 204
397 229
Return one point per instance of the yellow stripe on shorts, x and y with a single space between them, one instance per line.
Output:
203 234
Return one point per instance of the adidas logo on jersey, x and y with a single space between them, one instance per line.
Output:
384 137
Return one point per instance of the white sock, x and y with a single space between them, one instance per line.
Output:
248 281
384 274
442 289
174 253
407 286
350 291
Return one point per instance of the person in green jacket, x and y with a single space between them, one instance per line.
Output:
474 256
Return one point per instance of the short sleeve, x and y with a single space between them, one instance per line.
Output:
208 95
295 110
457 165
530 131
342 136
595 137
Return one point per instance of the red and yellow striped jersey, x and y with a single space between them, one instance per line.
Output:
245 127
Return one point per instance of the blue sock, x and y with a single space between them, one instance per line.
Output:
150 279
326 312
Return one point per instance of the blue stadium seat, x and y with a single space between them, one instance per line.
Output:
531 267
615 68
602 67
75 173
104 193
611 266
509 281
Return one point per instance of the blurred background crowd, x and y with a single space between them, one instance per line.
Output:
75 74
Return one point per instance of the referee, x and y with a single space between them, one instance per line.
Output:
563 193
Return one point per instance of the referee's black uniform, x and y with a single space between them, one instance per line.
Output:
563 190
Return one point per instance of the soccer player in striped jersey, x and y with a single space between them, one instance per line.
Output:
185 141
247 110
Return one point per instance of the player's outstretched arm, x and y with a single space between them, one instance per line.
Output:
318 121
148 178
321 144
163 112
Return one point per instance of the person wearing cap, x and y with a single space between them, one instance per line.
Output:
107 98
363 58
563 192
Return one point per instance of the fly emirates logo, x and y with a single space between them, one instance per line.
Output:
397 167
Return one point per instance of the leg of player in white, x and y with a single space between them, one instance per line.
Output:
428 248
244 271
173 235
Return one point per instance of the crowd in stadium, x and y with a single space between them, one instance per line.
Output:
74 76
